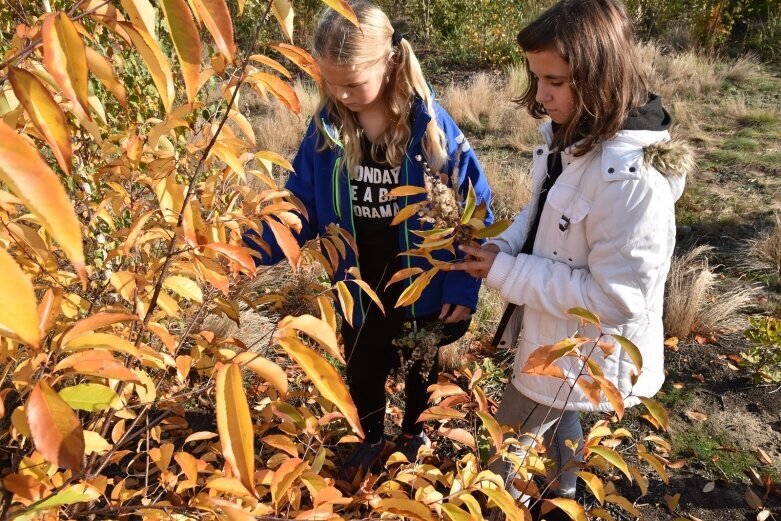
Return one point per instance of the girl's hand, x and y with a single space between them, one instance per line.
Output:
457 314
478 261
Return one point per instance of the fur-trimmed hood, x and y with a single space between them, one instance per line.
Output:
672 158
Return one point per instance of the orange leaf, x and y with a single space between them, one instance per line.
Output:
235 424
403 274
49 309
93 322
217 18
324 376
101 68
279 89
97 363
574 510
284 476
235 254
301 58
612 393
458 435
65 58
18 308
45 114
31 180
287 242
696 416
55 428
186 41
264 368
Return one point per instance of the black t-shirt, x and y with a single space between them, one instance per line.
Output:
373 211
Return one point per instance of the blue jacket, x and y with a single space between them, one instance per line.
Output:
324 189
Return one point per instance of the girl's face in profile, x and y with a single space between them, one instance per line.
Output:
356 89
554 84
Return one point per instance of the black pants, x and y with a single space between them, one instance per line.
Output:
371 356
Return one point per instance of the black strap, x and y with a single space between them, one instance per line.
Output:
554 171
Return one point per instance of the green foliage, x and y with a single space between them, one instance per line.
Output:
764 357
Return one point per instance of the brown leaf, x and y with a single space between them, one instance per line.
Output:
696 416
753 499
763 457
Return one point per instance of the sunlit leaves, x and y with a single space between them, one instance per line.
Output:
66 60
44 113
235 425
156 62
32 181
187 42
342 8
55 428
91 397
217 19
325 378
283 11
19 314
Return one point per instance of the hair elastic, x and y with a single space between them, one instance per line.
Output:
400 29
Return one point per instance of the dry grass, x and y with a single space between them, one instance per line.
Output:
485 104
742 69
765 252
696 301
275 126
510 182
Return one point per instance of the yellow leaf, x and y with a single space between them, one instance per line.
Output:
573 509
55 428
585 315
97 363
407 212
142 14
656 463
414 290
235 424
94 443
65 58
406 508
275 158
325 377
91 397
493 428
344 9
229 158
440 413
369 291
594 484
345 301
493 230
631 349
102 341
187 43
45 114
318 330
624 503
101 68
31 180
612 393
455 513
403 274
284 476
155 61
217 18
283 11
272 63
20 313
282 442
613 458
469 204
189 465
505 502
184 287
243 123
264 368
48 310
657 411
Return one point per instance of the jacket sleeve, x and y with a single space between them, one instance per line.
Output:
460 288
301 184
511 240
629 245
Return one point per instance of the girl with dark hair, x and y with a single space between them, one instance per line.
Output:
377 128
598 233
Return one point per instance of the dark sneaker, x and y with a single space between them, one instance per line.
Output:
363 458
408 444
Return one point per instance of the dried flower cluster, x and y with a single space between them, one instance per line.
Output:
418 345
444 209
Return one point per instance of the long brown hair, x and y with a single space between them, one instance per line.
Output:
595 38
341 43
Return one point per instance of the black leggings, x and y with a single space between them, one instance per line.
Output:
371 357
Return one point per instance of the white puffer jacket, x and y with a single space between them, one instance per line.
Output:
604 243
